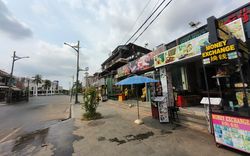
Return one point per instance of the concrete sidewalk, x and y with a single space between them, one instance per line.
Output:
117 134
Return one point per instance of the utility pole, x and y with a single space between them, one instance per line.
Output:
77 72
77 49
71 90
9 98
15 58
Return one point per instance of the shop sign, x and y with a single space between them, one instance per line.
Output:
145 62
219 51
123 71
243 13
235 28
232 131
193 35
185 50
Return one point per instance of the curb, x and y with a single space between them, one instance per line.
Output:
72 114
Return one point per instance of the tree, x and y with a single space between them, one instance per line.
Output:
79 87
47 85
90 104
37 80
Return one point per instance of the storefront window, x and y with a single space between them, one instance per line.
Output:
179 78
176 76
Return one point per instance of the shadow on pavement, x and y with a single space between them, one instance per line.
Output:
155 123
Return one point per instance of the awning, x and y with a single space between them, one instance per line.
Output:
4 87
15 89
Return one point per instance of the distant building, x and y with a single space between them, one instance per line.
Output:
4 78
52 90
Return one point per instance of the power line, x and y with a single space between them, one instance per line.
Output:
131 28
144 22
152 21
154 6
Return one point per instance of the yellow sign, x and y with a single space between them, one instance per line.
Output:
218 48
219 51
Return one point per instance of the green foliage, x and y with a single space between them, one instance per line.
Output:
79 87
90 102
37 79
47 84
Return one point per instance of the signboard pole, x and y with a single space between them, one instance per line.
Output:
209 102
245 99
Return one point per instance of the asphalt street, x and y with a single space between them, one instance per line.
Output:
25 118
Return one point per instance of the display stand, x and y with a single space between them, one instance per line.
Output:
230 124
162 108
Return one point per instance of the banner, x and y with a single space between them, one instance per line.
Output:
145 62
236 28
183 51
232 131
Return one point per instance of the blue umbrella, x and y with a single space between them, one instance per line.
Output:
136 80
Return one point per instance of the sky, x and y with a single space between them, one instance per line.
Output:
38 29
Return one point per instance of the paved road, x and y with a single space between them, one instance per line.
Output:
24 117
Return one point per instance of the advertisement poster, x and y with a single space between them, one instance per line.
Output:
232 131
123 71
163 112
163 79
160 60
143 63
183 51
236 28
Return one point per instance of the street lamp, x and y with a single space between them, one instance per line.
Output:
85 69
15 58
193 24
76 48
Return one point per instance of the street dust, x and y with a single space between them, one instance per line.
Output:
138 137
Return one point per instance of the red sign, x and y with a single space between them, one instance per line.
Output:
242 13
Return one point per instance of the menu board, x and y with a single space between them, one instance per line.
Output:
232 131
163 109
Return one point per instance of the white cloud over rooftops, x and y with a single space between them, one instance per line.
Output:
39 28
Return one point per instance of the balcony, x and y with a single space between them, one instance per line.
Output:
114 64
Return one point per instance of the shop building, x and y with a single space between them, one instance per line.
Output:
183 63
119 57
143 66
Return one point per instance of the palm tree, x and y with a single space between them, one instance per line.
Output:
47 85
37 80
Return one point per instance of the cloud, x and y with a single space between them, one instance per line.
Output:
171 24
39 8
10 25
51 61
99 25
